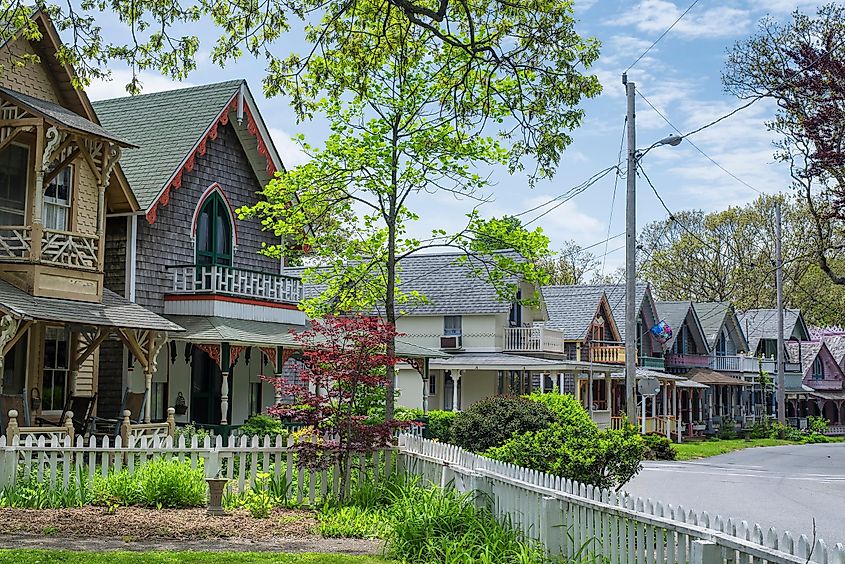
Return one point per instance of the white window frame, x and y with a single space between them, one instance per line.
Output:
65 370
451 331
26 181
63 206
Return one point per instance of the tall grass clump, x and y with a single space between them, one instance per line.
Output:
442 525
159 483
32 494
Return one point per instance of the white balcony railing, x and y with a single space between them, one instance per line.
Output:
743 363
533 339
15 241
233 281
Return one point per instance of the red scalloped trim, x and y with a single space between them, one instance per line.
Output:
223 119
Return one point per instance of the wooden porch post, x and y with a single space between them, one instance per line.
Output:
456 377
225 368
608 392
426 380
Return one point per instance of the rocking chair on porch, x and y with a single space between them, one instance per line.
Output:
20 425
81 407
133 402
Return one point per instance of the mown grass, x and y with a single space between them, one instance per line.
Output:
27 556
704 449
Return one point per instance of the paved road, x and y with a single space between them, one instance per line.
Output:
785 487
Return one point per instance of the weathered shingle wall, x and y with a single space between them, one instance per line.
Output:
109 392
169 241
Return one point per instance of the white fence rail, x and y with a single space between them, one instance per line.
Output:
567 516
56 460
533 339
219 279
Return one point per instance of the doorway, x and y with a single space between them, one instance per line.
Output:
206 379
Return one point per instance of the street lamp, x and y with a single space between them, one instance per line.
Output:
631 249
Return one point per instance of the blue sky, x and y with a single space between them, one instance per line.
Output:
680 76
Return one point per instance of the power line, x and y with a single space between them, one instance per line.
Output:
662 35
562 199
697 148
615 185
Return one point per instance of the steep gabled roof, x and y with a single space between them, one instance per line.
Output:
675 313
572 309
758 324
170 128
805 352
616 298
713 316
836 345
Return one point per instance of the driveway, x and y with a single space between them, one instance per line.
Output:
784 487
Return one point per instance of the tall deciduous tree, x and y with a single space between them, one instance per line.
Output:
728 256
411 114
800 64
572 264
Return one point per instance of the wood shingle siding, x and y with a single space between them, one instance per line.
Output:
169 241
32 78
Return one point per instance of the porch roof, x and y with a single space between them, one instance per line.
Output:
212 330
60 116
649 373
711 377
835 395
502 361
691 384
114 311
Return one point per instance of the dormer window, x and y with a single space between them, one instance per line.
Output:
57 199
818 369
14 161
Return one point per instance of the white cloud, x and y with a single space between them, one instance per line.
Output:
115 87
565 222
655 16
783 6
289 150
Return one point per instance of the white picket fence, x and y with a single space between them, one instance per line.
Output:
58 460
568 517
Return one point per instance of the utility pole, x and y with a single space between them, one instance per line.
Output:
781 390
631 259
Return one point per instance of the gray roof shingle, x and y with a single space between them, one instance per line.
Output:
804 352
836 346
114 311
763 324
448 284
63 116
673 313
165 126
572 308
616 298
711 315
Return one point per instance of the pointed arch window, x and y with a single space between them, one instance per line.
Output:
214 232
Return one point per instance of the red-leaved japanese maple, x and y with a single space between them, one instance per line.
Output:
342 375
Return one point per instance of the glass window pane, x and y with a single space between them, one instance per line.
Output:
222 243
203 231
14 164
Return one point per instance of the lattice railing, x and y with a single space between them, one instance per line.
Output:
69 249
219 279
15 242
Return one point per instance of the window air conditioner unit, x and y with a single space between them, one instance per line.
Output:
451 342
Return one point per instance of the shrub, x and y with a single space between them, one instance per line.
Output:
32 494
658 447
407 414
727 430
813 438
817 424
606 459
189 431
492 421
440 425
785 432
262 425
566 410
761 430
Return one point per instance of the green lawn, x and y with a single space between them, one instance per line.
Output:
703 449
50 556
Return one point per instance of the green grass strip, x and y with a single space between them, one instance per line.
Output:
27 556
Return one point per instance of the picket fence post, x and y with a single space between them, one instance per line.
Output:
705 552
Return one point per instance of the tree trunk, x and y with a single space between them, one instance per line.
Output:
390 294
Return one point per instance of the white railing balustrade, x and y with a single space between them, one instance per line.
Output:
233 281
15 242
533 339
578 521
69 249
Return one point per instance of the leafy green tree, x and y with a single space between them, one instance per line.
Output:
799 64
411 114
572 264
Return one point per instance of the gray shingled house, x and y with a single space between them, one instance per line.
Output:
60 175
201 153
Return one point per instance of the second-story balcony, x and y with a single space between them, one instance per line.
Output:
54 247
752 364
242 283
533 339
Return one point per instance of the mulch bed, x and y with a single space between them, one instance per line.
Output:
137 523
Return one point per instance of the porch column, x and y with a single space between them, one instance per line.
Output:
426 377
542 382
148 390
675 410
665 401
608 392
225 367
690 406
456 378
279 368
